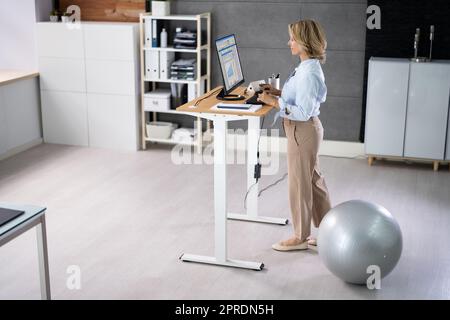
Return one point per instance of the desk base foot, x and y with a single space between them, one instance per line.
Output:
245 217
258 266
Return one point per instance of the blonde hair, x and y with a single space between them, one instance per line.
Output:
311 36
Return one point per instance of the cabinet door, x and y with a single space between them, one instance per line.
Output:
64 118
426 120
113 121
111 77
62 74
57 40
111 41
387 93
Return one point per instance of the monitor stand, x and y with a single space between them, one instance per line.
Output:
229 97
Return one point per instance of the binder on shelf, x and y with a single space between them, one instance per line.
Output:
148 32
152 64
165 61
156 30
194 91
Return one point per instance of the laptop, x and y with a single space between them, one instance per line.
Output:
6 215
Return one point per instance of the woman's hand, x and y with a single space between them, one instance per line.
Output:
268 99
270 90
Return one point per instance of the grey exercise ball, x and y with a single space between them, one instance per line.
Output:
355 235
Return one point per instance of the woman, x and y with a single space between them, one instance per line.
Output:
299 104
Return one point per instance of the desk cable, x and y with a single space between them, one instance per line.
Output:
209 95
258 174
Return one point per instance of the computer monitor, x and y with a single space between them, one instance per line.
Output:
230 65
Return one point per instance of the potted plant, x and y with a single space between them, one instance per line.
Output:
54 16
160 8
65 17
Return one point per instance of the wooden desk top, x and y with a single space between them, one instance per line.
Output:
205 105
9 76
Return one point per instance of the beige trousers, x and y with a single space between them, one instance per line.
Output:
308 193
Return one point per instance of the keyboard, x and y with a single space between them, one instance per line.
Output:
234 106
254 100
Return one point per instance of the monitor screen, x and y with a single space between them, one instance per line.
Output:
229 62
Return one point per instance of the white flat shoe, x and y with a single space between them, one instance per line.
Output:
280 247
312 242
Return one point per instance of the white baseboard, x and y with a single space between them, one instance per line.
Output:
344 149
21 148
332 148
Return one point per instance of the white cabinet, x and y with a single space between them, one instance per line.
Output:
408 109
63 84
62 74
64 118
90 84
426 119
58 41
111 77
117 42
112 85
386 106
111 123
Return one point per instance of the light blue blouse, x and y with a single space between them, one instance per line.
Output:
303 92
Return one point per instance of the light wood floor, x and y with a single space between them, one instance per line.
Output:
125 218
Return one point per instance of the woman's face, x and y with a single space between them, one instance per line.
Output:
296 49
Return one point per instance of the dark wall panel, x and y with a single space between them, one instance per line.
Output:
399 20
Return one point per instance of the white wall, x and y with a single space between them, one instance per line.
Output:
18 35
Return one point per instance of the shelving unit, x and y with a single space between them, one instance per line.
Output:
146 82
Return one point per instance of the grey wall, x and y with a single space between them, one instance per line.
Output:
261 30
43 9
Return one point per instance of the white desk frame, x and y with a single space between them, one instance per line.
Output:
220 191
37 221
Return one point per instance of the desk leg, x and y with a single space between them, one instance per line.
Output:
220 206
252 198
199 128
43 259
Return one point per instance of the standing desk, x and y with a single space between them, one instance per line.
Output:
220 119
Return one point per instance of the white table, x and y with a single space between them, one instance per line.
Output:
33 217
